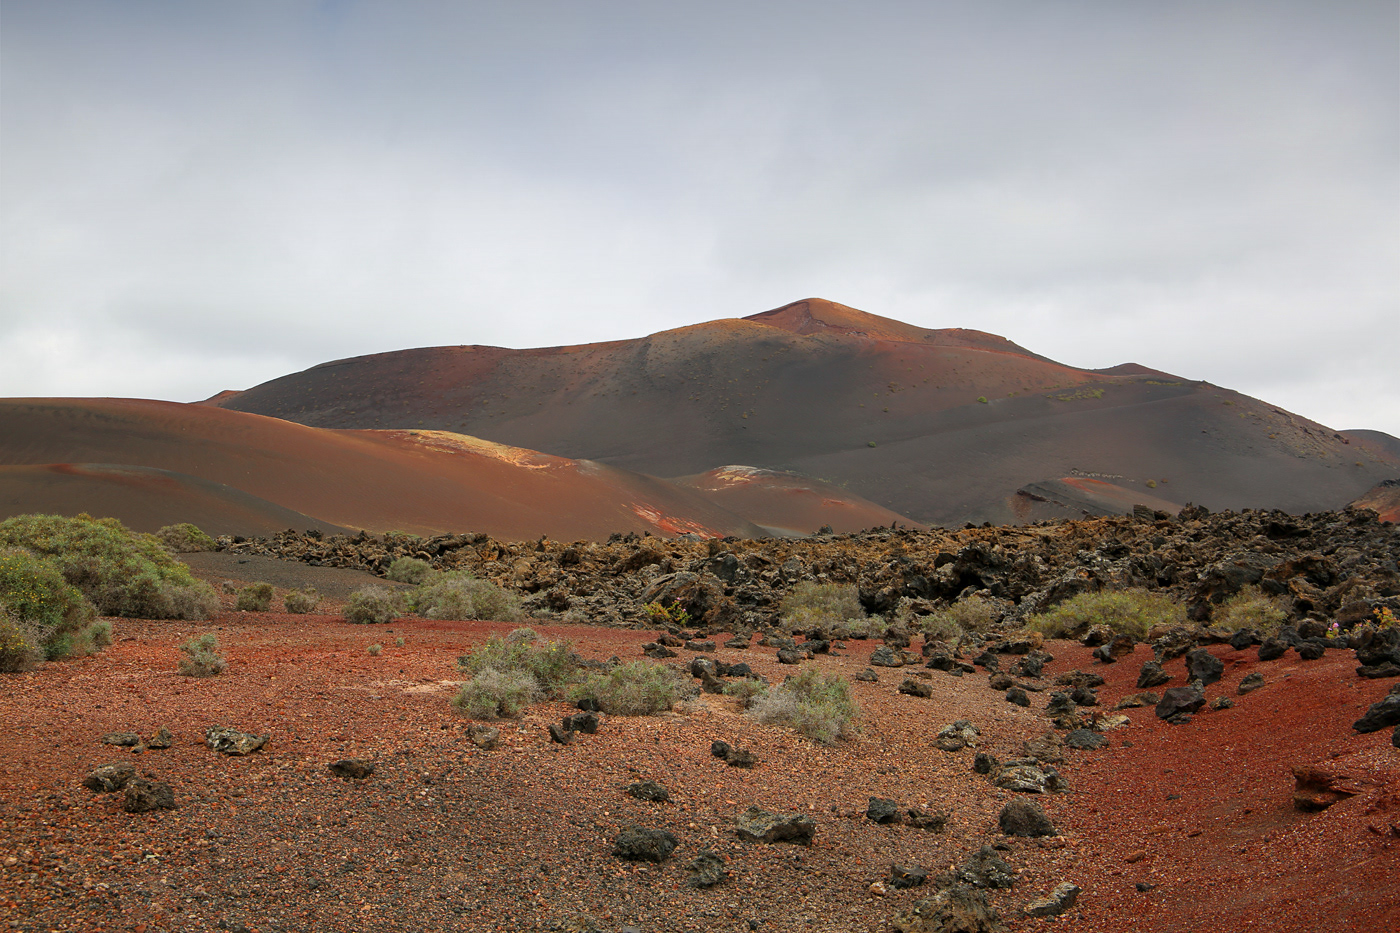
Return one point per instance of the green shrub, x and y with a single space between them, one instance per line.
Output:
373 604
746 690
195 602
551 665
121 572
673 614
493 694
408 570
810 704
34 591
1125 612
302 601
819 607
255 597
398 642
374 650
185 538
90 640
974 613
202 658
1250 608
636 689
20 647
459 595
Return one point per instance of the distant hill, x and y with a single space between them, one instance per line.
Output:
940 426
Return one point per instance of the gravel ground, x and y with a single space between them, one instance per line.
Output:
447 836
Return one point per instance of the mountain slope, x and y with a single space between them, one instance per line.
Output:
943 426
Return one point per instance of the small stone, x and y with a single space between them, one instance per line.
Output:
758 825
1022 817
162 739
1135 700
559 734
958 908
1060 900
1220 703
1018 697
640 844
867 676
232 742
1151 675
904 877
706 870
1177 700
1203 666
649 791
880 810
884 656
109 777
483 736
1272 649
121 739
143 796
1085 739
1252 681
984 763
586 723
915 688
357 768
1381 715
878 889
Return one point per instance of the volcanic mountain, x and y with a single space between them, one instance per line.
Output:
153 463
942 426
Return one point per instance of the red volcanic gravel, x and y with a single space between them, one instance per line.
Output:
445 836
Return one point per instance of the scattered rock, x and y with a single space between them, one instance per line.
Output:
352 768
1022 817
758 825
483 736
649 790
232 742
1220 703
958 909
904 877
143 796
1078 678
880 810
884 656
1018 696
586 723
915 688
1176 700
867 676
1152 675
1272 649
706 870
796 656
162 739
699 646
1084 696
1085 739
1317 787
957 736
639 844
734 757
1311 650
1060 900
1203 666
1380 715
559 734
915 818
984 763
109 777
982 869
1252 681
1022 778
1001 681
121 739
1135 700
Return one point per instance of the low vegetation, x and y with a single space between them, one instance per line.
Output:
811 704
747 690
820 608
255 597
185 538
1125 612
20 648
972 614
408 570
43 611
121 572
459 595
1251 608
374 650
373 605
202 657
494 694
509 673
301 602
639 688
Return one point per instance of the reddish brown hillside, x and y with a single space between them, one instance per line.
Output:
378 480
940 425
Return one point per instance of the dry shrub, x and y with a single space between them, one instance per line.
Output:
255 597
1250 608
819 608
408 570
301 601
493 694
640 688
185 538
1125 612
371 605
202 658
810 704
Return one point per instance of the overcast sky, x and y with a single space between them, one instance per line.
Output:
199 196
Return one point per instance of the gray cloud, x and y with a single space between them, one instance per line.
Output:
198 197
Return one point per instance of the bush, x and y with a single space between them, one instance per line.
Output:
195 602
1250 608
972 614
459 595
185 538
202 658
493 694
746 690
302 601
1125 612
810 704
374 650
90 640
373 604
35 593
819 607
636 689
121 572
408 570
673 614
255 597
20 648
550 665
